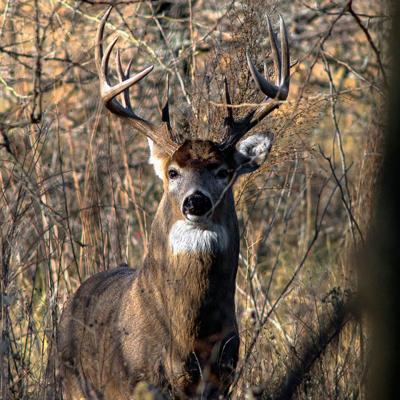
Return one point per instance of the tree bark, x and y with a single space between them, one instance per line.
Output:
380 267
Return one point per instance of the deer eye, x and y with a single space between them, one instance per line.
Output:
222 173
173 173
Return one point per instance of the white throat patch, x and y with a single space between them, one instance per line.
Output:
186 237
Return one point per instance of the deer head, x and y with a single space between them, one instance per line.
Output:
198 174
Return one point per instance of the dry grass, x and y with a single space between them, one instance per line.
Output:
78 197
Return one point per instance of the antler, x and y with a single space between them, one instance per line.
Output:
159 134
275 93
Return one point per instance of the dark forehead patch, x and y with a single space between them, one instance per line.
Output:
198 154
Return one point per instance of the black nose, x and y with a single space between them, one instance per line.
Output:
196 204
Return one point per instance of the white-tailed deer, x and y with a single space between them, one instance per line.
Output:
172 321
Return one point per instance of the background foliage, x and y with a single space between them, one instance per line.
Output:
78 197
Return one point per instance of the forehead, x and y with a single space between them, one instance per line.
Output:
198 154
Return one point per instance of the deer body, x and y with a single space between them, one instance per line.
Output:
169 322
172 321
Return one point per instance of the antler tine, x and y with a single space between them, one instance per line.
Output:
109 93
99 39
280 57
165 108
166 117
106 59
264 85
229 119
285 72
275 93
126 102
127 76
275 51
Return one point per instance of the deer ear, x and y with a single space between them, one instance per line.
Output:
252 152
158 158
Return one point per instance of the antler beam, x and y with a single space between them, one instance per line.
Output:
159 134
275 93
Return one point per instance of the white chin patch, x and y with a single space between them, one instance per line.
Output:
189 237
196 218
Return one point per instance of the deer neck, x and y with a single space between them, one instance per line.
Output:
194 267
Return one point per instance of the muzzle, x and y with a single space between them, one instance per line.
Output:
197 204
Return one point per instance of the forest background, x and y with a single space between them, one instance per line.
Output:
78 196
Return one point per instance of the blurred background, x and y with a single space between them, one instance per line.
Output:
78 195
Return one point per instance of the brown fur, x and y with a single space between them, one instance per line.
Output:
199 154
169 323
